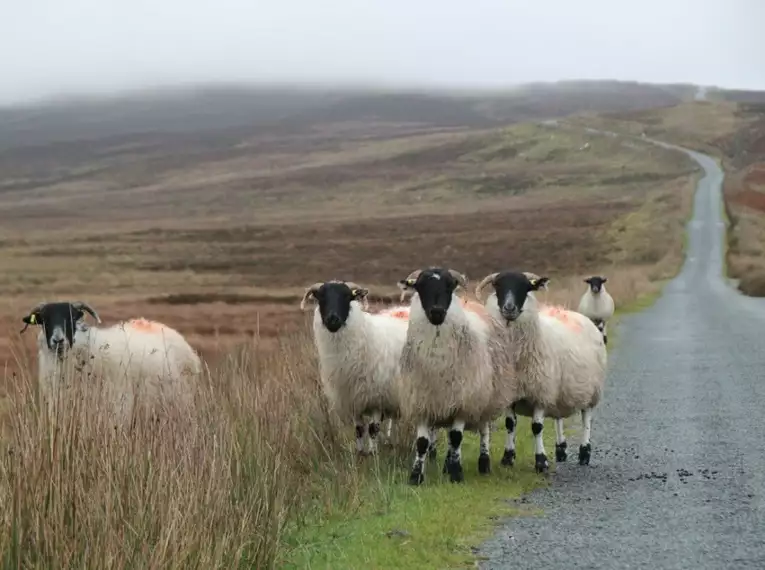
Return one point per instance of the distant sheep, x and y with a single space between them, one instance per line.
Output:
137 361
597 304
452 362
560 359
359 355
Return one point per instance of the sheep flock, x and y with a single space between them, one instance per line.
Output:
440 359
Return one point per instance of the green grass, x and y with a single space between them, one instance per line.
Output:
435 525
438 524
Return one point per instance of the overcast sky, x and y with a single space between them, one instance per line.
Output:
50 47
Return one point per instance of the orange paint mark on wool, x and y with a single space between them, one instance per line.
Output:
397 313
562 315
146 325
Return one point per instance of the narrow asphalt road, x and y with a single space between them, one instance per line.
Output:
677 478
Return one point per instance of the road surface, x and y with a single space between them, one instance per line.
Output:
677 477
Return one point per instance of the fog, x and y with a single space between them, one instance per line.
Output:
53 47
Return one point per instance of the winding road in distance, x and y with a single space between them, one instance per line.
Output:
677 478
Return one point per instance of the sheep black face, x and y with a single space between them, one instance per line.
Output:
59 322
512 289
334 298
435 287
596 283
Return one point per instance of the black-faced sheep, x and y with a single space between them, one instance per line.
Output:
597 304
136 361
359 354
560 359
452 363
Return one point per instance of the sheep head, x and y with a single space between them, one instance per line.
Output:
334 299
596 283
512 289
59 322
435 287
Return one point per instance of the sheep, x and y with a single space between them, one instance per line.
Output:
450 363
359 355
130 357
597 304
560 358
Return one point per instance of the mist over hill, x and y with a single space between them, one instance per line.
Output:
196 109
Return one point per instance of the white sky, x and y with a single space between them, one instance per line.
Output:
50 47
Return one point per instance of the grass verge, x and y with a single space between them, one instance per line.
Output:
433 526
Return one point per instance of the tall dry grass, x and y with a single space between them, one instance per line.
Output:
261 455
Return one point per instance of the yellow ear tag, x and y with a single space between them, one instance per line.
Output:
355 292
32 319
533 282
411 282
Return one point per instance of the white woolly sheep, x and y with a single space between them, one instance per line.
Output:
450 364
359 354
136 361
560 359
597 304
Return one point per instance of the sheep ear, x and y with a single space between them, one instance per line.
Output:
31 319
605 279
359 293
537 284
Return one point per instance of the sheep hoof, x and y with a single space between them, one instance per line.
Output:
508 459
560 452
432 453
455 472
417 477
541 464
584 454
484 464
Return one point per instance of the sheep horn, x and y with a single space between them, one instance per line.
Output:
462 279
486 280
36 309
403 283
364 301
308 292
82 306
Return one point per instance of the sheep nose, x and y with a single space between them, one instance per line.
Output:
510 311
438 314
334 322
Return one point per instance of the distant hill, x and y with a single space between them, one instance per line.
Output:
190 110
738 95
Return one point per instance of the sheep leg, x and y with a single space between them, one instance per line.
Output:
433 449
421 449
455 452
585 449
374 430
560 441
508 459
537 426
601 324
361 430
484 458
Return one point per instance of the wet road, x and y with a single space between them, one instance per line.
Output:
677 478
